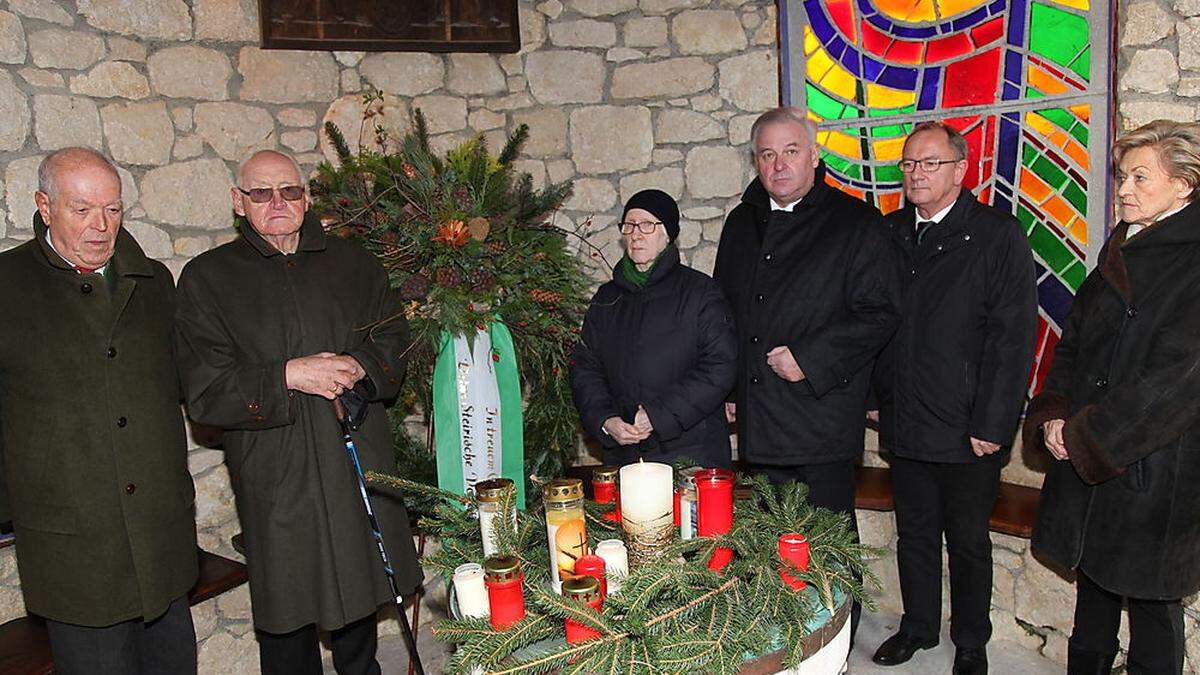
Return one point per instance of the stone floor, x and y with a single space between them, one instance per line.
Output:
1006 658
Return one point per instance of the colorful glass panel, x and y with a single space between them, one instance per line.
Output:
1016 77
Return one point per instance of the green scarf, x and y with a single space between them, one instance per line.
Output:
638 277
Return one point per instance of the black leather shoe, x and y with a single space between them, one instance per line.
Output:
900 648
970 661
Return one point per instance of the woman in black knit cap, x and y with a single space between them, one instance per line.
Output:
658 352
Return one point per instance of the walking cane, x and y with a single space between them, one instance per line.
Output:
350 414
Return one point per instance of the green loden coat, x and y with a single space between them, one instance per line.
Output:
244 310
95 458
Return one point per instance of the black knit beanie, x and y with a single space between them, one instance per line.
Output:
660 205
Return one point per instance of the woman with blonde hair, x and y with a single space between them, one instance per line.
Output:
1120 411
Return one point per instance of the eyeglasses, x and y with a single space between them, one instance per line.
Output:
927 165
262 195
645 228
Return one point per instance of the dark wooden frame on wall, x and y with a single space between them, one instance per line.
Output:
377 33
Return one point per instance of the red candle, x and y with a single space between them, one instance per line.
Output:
604 490
793 547
714 490
585 590
678 494
506 598
593 566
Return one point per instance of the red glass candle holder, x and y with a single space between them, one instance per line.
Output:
506 597
714 491
793 547
585 589
592 565
604 490
675 504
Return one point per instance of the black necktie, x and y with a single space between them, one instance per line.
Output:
922 227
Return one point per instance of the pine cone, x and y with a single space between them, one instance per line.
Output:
545 297
447 276
496 247
481 281
415 287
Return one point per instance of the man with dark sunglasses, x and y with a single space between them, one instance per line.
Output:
272 327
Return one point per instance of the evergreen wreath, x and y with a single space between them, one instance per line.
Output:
671 617
465 240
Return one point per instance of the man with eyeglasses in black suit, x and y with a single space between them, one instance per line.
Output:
951 385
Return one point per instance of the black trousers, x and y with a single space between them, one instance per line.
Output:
830 486
932 499
1156 644
298 653
165 645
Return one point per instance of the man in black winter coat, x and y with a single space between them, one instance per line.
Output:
951 385
814 285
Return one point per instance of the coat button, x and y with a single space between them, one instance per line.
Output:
966 237
760 297
913 272
259 418
121 422
1131 312
753 339
130 489
767 257
1101 383
754 380
112 352
291 264
85 288
252 406
940 247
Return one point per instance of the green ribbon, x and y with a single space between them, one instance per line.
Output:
456 397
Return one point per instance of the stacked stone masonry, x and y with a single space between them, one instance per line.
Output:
619 95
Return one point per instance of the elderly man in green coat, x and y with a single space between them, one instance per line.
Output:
271 328
92 437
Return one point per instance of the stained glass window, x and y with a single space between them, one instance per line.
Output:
1025 81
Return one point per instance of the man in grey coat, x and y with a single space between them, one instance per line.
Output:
271 328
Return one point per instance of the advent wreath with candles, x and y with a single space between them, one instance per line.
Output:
642 591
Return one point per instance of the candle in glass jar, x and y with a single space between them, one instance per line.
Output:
687 502
647 492
583 589
566 531
616 562
506 598
469 590
593 566
793 547
714 488
488 494
604 490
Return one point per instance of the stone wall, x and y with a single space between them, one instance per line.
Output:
619 95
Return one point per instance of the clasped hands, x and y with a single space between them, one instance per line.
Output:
323 374
630 434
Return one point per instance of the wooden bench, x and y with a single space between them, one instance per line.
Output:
25 645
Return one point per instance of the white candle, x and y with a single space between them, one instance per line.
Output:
470 590
616 562
647 496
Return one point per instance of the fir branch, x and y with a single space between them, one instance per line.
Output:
376 478
338 140
515 142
